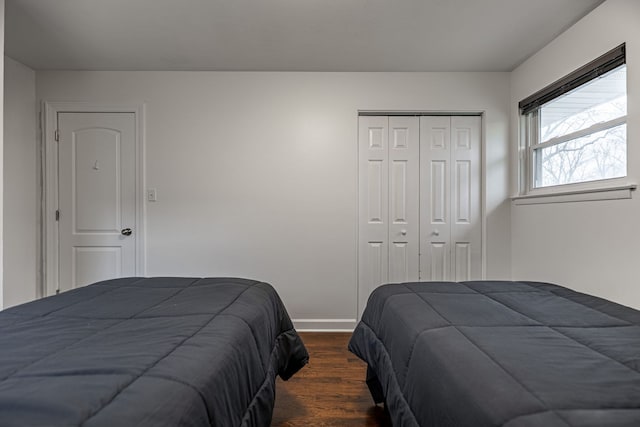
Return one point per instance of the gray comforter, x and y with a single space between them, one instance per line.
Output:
147 352
500 354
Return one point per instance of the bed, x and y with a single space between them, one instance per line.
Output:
500 354
147 352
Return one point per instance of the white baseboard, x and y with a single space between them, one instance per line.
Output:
324 325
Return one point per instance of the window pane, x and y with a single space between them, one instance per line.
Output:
600 155
598 101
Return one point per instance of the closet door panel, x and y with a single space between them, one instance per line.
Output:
373 205
404 140
419 200
466 202
435 190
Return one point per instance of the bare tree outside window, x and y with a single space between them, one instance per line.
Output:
599 156
582 135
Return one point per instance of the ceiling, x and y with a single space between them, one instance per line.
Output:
284 35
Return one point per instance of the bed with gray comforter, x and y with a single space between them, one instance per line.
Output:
147 352
500 354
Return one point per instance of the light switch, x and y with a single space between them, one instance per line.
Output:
151 195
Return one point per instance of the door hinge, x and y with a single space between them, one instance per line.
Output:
56 135
57 215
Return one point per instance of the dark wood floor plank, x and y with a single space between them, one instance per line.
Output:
330 390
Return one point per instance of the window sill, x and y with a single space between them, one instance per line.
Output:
607 193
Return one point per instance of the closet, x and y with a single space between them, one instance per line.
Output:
419 200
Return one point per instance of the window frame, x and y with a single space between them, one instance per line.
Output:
529 114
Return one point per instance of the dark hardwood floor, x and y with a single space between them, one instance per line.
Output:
330 390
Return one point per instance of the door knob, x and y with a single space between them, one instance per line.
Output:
403 232
126 232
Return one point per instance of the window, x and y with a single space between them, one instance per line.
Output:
575 130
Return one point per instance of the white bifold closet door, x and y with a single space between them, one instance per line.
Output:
419 200
450 217
388 202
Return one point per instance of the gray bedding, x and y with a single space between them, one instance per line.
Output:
147 352
500 354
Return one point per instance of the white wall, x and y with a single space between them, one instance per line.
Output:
1 145
21 194
592 247
256 173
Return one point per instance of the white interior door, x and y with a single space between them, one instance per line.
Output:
388 202
96 197
450 204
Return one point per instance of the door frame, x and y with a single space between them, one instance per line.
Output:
49 247
483 179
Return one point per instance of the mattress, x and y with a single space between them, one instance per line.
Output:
147 352
500 354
